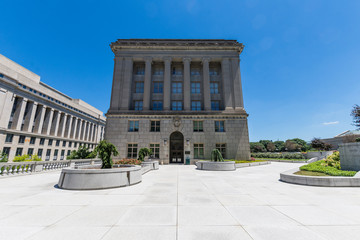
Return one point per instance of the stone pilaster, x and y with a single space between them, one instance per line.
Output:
147 84
187 98
126 87
19 113
227 84
69 126
116 93
237 88
206 84
48 121
90 132
29 119
62 124
74 128
167 83
55 123
39 120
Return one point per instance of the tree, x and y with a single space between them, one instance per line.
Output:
292 146
257 147
143 152
279 145
271 147
105 150
318 144
300 142
355 113
265 142
82 153
216 156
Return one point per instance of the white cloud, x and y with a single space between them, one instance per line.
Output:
330 123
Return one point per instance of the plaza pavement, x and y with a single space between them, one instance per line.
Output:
179 202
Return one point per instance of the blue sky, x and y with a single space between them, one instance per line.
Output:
300 66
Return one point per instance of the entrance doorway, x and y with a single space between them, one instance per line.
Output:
176 147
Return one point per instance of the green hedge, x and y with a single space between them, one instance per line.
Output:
332 171
278 155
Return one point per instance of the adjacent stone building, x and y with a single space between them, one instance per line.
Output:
179 97
37 119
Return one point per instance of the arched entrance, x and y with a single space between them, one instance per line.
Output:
176 147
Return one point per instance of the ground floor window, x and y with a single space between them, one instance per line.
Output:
30 151
40 152
198 150
48 152
55 154
18 152
155 148
68 152
222 148
62 154
132 150
198 126
6 151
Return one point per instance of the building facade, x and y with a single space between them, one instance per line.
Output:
37 119
180 98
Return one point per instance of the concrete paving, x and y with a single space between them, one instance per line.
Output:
179 202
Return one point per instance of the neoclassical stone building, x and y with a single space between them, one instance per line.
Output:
179 97
38 119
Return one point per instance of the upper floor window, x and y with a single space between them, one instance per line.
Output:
139 87
140 70
176 71
214 88
219 126
176 105
158 71
158 87
32 140
50 142
57 143
195 88
64 144
195 71
9 138
155 126
176 87
214 71
196 105
21 139
157 105
138 105
198 126
42 141
215 105
133 126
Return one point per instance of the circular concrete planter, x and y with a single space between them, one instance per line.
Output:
216 166
89 178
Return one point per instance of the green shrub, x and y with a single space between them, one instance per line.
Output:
278 155
22 158
105 150
216 156
143 152
35 157
357 140
320 166
4 157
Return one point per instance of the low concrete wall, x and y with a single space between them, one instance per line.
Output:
241 165
350 156
90 179
216 166
314 159
319 154
330 181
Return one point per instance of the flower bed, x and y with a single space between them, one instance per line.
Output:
128 161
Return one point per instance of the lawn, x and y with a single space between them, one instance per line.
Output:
245 161
308 173
331 171
283 159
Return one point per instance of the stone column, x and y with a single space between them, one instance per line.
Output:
127 82
167 83
62 125
5 107
206 84
82 126
187 96
39 120
48 121
227 84
116 92
147 84
87 129
238 97
94 133
90 132
74 128
19 114
29 119
55 123
69 126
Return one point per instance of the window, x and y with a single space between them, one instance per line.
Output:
138 105
70 143
132 150
6 151
158 87
198 126
195 71
42 141
48 152
176 105
176 87
196 105
215 105
30 151
18 152
155 126
75 144
198 150
21 139
214 88
9 138
139 87
213 71
157 105
155 148
62 154
222 148
176 71
32 140
195 87
55 154
133 126
64 143
158 71
219 126
57 143
40 151
140 70
50 142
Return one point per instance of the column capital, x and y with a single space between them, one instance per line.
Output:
186 59
206 60
225 60
167 59
128 58
148 60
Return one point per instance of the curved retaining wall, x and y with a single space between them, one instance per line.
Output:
330 181
90 179
216 166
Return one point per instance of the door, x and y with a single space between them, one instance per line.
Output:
176 147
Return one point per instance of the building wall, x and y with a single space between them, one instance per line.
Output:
32 109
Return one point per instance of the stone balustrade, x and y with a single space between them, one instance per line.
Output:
20 168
